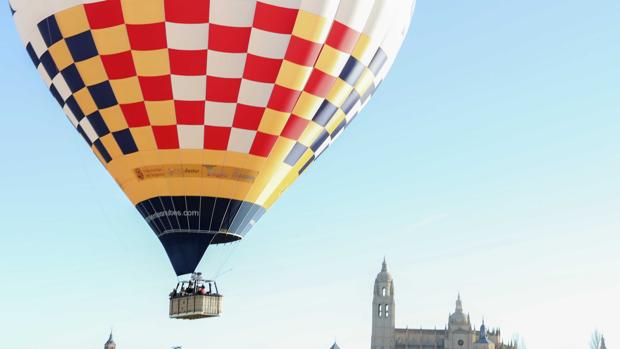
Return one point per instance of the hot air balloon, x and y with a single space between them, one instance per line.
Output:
205 111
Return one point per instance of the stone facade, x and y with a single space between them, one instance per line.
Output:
458 334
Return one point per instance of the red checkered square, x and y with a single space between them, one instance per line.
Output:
229 39
275 19
187 11
294 127
147 36
342 37
119 66
104 14
262 69
319 83
248 117
156 88
263 144
135 114
222 89
283 99
303 52
190 112
188 62
166 137
216 138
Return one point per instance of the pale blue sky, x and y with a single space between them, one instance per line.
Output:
488 163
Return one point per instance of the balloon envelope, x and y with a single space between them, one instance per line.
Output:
204 112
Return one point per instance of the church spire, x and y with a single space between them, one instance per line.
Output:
335 346
459 304
483 338
383 323
110 343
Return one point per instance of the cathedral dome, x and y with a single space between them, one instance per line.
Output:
458 317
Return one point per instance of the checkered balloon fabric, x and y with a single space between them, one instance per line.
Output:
210 106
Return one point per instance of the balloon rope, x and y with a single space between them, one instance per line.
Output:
236 194
106 216
266 163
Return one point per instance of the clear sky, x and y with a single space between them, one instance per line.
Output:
487 164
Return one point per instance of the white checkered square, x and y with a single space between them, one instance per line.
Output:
354 13
283 3
187 36
70 116
326 9
36 40
225 65
189 88
88 130
241 140
232 13
255 93
61 86
191 136
46 78
219 114
268 44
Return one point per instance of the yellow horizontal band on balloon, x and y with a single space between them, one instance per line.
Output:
195 171
148 174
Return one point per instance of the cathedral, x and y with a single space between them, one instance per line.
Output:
458 334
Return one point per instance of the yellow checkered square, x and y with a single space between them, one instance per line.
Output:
339 92
111 146
310 134
303 160
152 63
61 55
111 40
365 82
92 71
144 138
127 90
307 105
364 49
161 113
273 122
331 61
85 101
143 11
311 27
293 76
281 149
72 21
114 118
335 121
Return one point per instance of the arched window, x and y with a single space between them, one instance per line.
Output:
380 312
387 310
384 292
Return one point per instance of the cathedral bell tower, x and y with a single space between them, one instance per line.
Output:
383 320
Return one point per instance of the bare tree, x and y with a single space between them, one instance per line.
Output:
518 341
596 339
